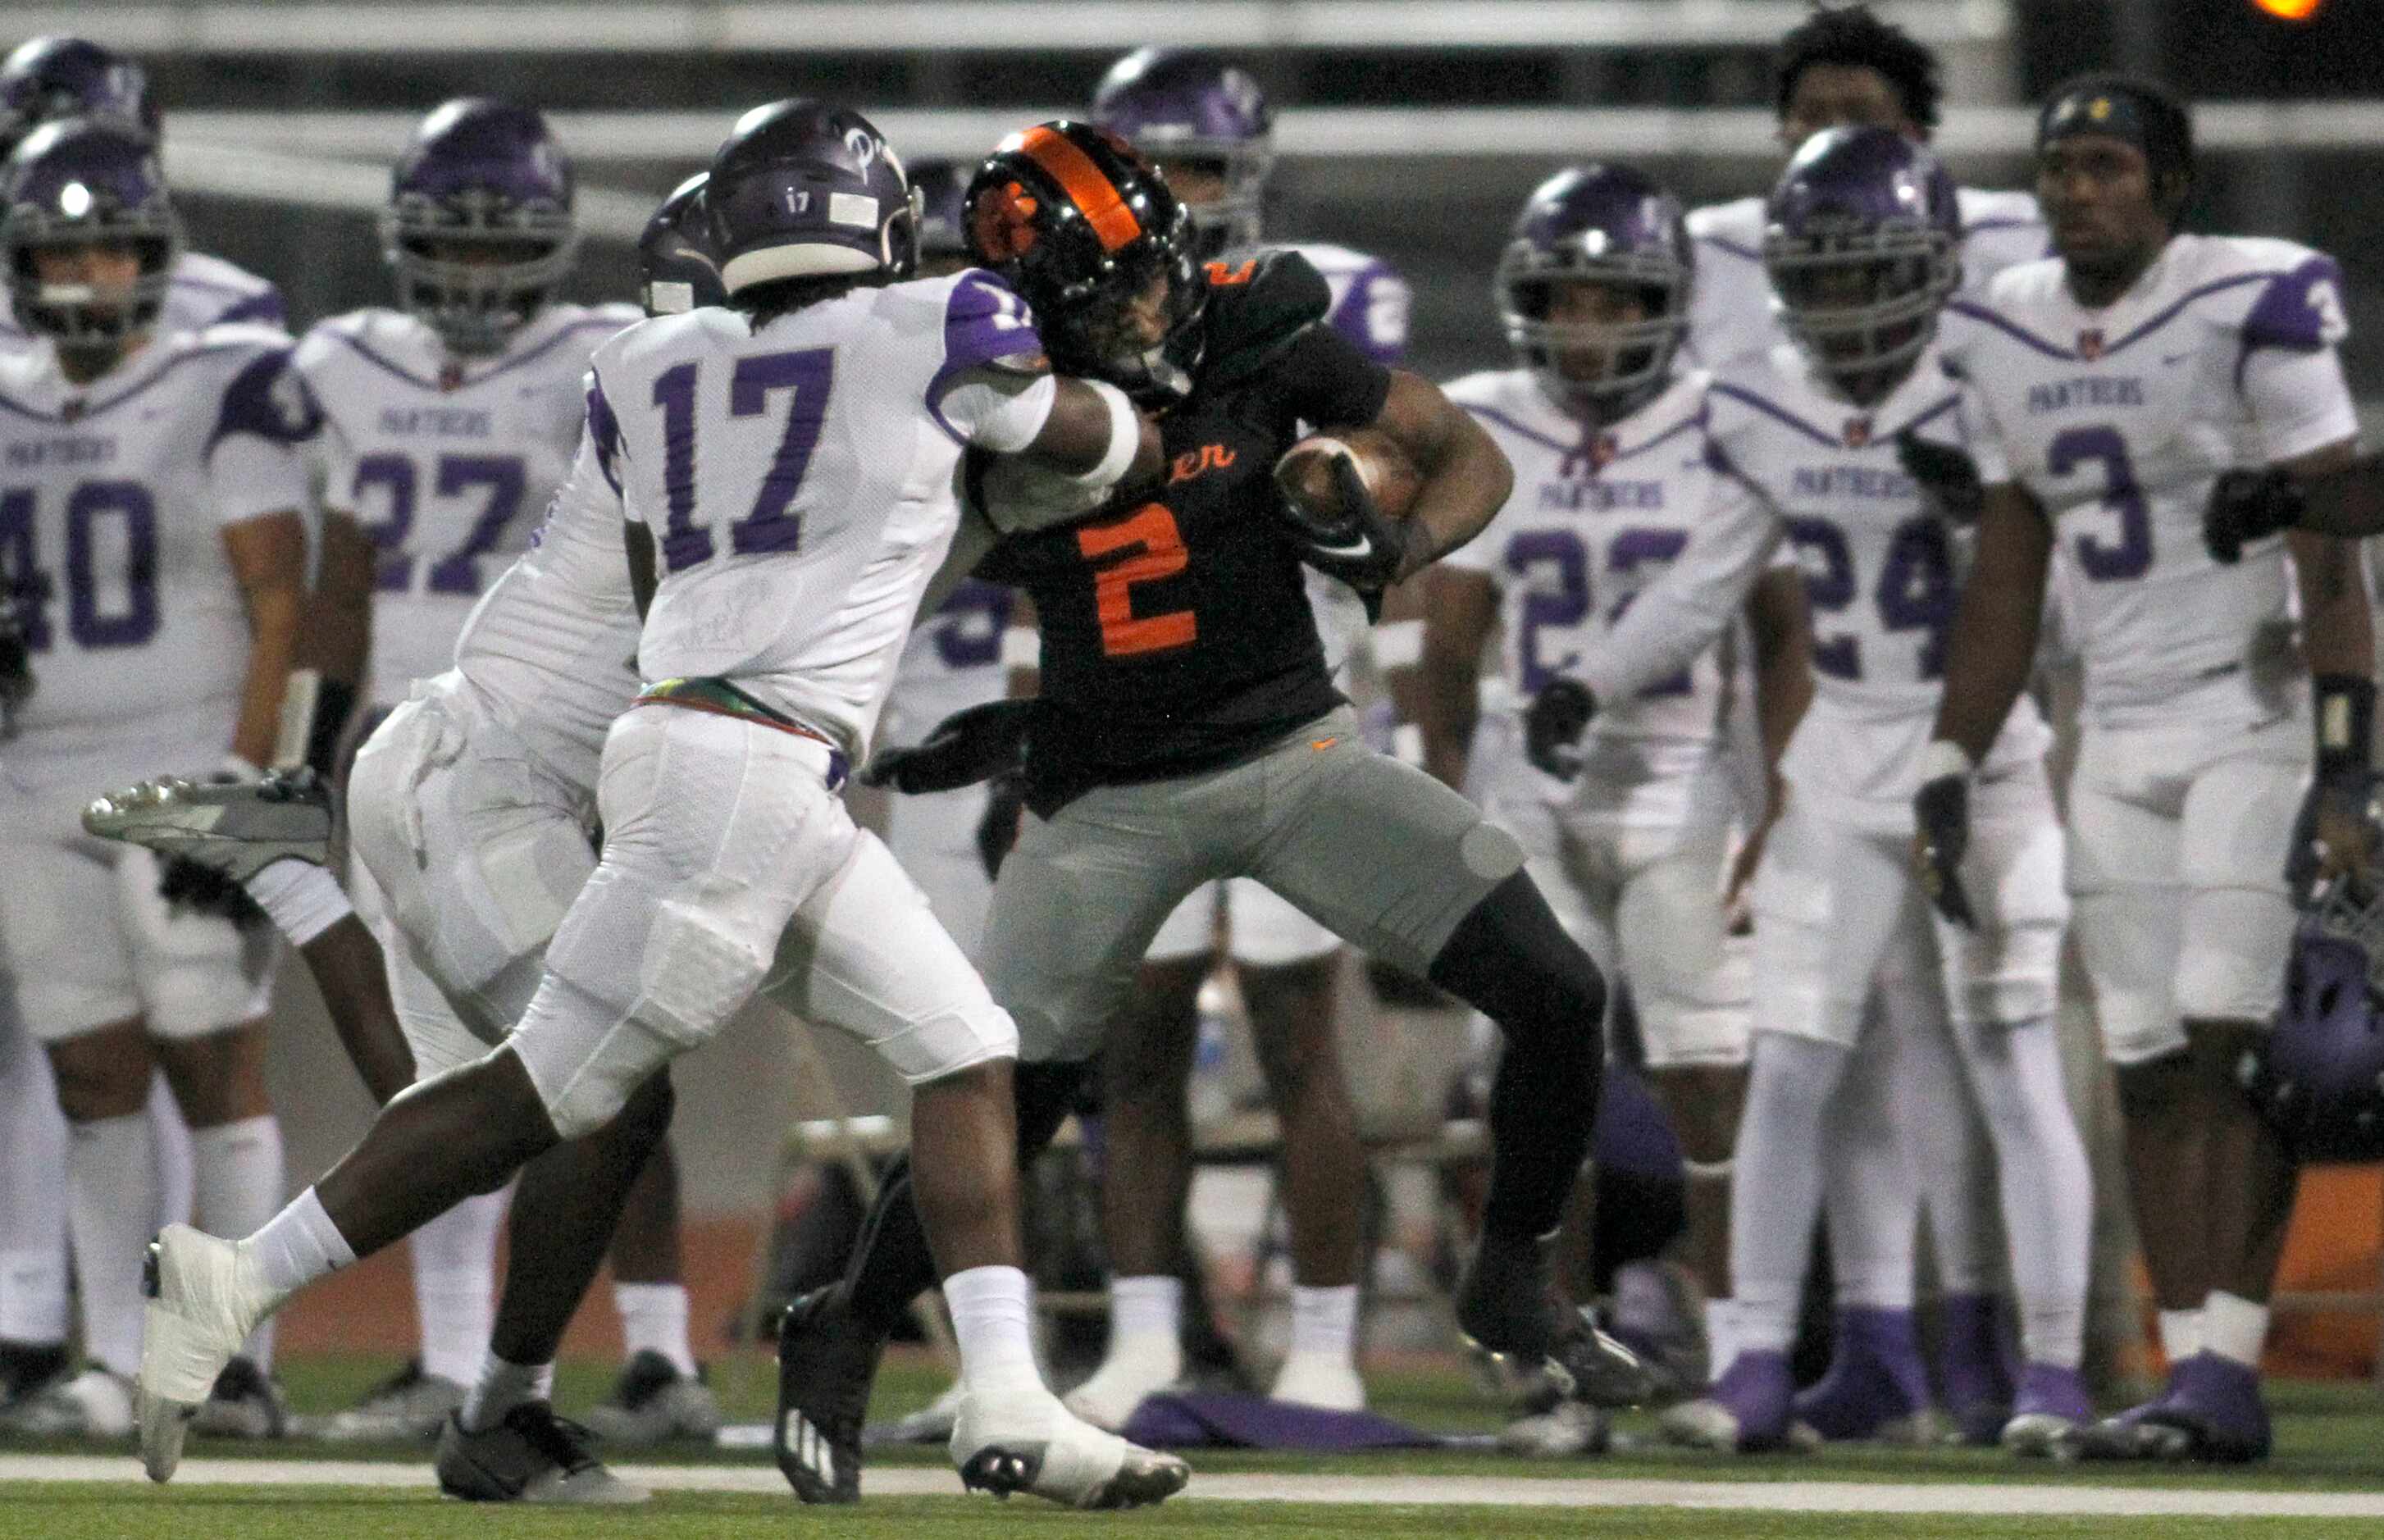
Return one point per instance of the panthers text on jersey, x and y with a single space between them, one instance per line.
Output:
1879 570
1730 318
445 462
799 481
113 500
1176 634
2117 420
1595 518
201 291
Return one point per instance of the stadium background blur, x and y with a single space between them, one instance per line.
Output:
1411 128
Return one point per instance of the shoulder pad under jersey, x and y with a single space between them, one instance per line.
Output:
1257 305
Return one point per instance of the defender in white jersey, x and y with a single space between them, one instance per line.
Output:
1861 250
153 533
1631 835
787 469
42 80
2107 390
1845 66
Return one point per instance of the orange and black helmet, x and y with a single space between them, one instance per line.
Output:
1079 222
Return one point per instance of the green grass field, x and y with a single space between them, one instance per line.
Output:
2331 1439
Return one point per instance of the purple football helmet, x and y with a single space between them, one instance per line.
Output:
479 227
942 186
676 272
806 189
1176 104
1862 239
87 181
2318 1078
1613 227
51 77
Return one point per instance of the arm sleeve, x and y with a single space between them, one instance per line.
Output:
988 333
257 461
2290 374
1676 619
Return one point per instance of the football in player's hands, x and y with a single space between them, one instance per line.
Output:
1304 473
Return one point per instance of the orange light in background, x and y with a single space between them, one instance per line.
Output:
2289 10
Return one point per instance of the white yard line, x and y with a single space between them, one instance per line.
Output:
1787 1496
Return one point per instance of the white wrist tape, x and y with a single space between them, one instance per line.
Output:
303 899
1126 437
1022 647
1945 757
1407 744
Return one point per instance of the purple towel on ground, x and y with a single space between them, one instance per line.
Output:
1198 1420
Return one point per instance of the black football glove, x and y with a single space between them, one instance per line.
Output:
1948 477
2247 506
1942 810
1358 545
1553 724
967 747
998 830
189 888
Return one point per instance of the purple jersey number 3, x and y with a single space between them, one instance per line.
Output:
769 528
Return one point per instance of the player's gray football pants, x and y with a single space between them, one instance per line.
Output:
1378 851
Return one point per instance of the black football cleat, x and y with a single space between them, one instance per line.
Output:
827 1361
1509 1308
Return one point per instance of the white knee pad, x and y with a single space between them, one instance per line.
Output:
2230 964
701 964
197 973
2127 941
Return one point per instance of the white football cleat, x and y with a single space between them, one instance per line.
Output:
235 828
1325 1380
1028 1442
93 1404
1108 1399
1565 1430
205 1299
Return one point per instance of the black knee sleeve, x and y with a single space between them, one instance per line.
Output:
1512 961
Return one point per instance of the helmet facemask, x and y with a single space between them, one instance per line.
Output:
1861 300
522 252
1600 370
79 315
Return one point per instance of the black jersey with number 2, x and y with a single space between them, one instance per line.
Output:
1177 631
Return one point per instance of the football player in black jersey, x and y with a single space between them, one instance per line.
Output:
1188 730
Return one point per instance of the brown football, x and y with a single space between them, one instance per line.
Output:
1305 472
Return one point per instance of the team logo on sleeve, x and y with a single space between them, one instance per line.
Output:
2090 343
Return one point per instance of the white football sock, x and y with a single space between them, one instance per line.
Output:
1776 1186
2048 1191
502 1385
170 1141
237 1175
1874 1194
1325 1322
1145 1307
298 1246
111 1212
653 1320
456 1284
32 1199
991 1315
2180 1335
2234 1327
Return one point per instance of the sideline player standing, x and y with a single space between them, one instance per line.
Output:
44 79
1631 835
1860 247
1844 68
1187 729
785 560
1207 127
2109 387
156 545
448 420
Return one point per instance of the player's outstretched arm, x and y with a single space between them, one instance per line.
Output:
1993 643
2339 640
268 561
1466 476
1460 608
1674 619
